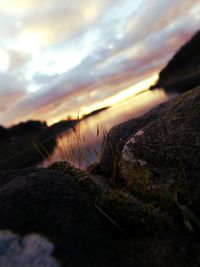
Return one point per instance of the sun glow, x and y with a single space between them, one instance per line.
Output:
123 95
29 41
33 88
111 101
62 62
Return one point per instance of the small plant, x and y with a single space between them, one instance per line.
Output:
76 150
41 149
188 216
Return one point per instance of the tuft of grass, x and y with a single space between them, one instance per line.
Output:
188 215
41 149
114 154
78 151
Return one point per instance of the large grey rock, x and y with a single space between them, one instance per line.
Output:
160 149
166 151
119 134
28 251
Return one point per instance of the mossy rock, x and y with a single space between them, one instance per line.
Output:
133 216
83 178
161 158
162 147
68 168
137 178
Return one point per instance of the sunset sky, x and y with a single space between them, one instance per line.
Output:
58 58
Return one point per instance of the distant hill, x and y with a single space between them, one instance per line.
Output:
28 143
27 127
183 70
3 133
95 112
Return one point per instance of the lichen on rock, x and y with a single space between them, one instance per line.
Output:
133 169
128 150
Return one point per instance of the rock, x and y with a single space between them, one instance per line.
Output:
186 105
28 251
118 136
133 217
53 204
166 250
166 151
160 151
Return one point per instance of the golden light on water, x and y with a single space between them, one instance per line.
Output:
130 108
111 101
122 95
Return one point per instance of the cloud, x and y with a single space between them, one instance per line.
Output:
17 60
65 55
11 91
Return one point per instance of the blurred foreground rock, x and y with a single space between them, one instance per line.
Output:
28 251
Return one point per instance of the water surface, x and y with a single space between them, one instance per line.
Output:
81 146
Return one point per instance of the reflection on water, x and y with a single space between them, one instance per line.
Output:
82 146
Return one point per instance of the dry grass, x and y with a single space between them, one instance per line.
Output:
77 150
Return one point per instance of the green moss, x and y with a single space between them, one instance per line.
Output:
133 216
137 178
83 179
66 167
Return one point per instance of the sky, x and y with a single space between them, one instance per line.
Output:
58 58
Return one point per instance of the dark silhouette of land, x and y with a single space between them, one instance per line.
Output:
183 71
27 143
95 112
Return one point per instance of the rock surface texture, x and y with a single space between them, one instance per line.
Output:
158 155
162 146
166 151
